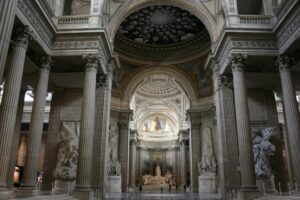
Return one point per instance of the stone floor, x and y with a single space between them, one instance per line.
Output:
163 196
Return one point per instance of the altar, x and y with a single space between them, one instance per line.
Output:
158 178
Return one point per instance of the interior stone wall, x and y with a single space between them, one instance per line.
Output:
263 113
71 106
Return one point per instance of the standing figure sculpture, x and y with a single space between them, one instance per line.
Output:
262 150
158 170
67 152
208 162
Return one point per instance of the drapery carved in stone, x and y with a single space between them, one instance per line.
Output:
263 149
67 155
208 161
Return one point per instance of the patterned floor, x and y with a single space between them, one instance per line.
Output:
163 196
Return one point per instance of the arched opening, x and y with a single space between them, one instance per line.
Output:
162 50
254 7
159 107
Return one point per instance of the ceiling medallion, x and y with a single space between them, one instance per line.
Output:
161 24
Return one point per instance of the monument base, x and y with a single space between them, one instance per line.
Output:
63 187
157 180
245 194
266 185
207 183
114 184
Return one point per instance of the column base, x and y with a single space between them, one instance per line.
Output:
83 194
249 193
27 192
7 194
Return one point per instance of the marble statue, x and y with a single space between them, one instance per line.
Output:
157 170
168 177
67 155
113 140
114 167
147 179
207 163
262 150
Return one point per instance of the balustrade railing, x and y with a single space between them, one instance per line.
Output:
256 19
73 20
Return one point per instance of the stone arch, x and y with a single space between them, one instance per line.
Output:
184 82
195 7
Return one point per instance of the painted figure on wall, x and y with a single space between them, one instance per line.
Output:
156 124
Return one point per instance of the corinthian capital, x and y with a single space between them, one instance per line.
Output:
92 61
22 36
46 62
285 62
238 61
225 81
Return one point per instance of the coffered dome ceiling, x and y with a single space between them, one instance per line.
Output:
158 88
160 24
161 33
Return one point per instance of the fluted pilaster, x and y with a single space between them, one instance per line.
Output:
124 118
83 178
102 121
9 104
291 113
183 161
194 144
16 139
52 138
7 16
36 125
243 123
133 146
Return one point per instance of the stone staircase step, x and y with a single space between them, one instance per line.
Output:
276 197
51 197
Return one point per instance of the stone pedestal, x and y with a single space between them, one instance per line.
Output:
247 195
114 184
63 187
207 183
267 185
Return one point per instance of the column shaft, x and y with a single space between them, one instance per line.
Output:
226 133
9 104
291 114
102 121
194 145
16 140
133 163
183 163
124 147
36 126
7 16
83 178
52 139
243 126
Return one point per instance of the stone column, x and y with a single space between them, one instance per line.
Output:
83 176
9 104
7 16
36 125
133 163
195 144
124 118
228 159
183 162
291 114
52 139
243 124
16 140
102 121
